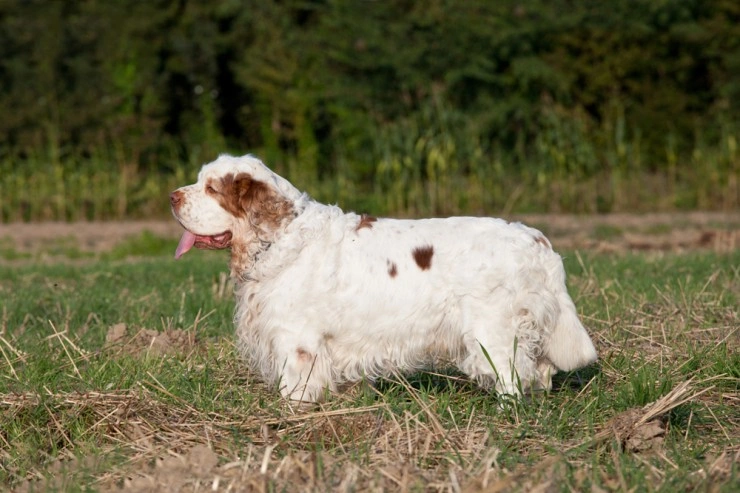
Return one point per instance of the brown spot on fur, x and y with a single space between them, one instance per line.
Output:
303 355
392 269
365 222
542 241
423 256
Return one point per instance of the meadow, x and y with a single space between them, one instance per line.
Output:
118 371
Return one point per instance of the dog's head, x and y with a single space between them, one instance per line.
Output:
237 202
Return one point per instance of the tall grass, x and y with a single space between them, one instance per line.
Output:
439 164
434 162
46 187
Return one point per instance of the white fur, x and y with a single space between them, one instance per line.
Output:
319 302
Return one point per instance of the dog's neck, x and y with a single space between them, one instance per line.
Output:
257 258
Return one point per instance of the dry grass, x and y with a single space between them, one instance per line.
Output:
179 448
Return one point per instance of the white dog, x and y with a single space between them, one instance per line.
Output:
326 297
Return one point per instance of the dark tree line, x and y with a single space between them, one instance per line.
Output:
321 81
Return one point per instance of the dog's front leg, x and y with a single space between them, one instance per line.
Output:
305 377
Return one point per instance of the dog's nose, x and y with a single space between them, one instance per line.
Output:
175 198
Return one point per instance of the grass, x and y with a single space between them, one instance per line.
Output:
120 371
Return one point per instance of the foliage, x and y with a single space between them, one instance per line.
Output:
323 90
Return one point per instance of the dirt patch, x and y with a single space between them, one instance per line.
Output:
677 232
715 231
720 468
643 429
122 340
636 436
88 236
192 471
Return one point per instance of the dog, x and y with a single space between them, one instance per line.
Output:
325 298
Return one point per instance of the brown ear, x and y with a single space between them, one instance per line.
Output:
256 198
243 196
231 191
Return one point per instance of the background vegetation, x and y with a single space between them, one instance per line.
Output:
401 107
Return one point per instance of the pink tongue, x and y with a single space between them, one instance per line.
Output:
186 243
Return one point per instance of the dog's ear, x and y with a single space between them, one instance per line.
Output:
237 194
250 194
245 197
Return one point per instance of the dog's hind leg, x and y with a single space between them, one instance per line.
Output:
493 358
496 357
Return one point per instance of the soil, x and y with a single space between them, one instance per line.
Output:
716 231
87 236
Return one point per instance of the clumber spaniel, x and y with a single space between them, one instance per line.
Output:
326 297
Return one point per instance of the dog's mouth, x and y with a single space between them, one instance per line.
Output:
211 242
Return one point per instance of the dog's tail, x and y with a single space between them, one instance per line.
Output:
569 346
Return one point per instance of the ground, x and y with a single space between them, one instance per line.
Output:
714 231
398 447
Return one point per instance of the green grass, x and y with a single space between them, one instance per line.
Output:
81 412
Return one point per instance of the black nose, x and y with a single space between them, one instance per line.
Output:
175 197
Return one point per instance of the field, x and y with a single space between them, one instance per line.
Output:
118 372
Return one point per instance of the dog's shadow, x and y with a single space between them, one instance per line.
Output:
453 381
432 382
575 380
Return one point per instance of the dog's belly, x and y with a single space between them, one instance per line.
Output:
376 346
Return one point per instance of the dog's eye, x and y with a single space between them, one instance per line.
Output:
210 189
